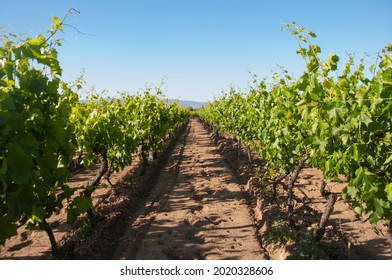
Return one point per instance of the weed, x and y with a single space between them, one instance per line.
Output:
86 228
280 233
307 248
128 178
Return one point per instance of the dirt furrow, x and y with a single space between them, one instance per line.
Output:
202 213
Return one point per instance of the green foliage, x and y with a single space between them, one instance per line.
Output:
307 248
42 124
78 206
115 128
280 233
343 121
36 136
86 228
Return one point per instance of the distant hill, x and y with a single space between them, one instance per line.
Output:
187 103
183 103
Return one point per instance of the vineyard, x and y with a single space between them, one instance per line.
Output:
290 169
47 131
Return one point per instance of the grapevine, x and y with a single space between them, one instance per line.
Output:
36 137
43 125
339 123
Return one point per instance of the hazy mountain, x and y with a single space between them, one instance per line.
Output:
188 103
183 103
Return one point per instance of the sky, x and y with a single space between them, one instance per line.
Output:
197 48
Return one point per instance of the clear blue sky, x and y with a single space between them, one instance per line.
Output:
199 47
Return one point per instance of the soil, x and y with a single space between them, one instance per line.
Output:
202 214
199 200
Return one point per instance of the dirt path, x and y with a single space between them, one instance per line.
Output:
202 214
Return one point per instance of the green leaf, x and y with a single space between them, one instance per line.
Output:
66 193
388 190
56 23
345 137
303 38
38 214
350 191
320 144
373 219
355 154
311 33
378 206
38 41
7 229
358 210
332 113
19 164
7 102
301 51
21 201
333 60
78 206
365 119
388 160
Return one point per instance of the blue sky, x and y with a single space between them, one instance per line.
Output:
198 47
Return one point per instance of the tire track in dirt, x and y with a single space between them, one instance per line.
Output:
197 210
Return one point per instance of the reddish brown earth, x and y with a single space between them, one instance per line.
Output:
199 201
202 215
